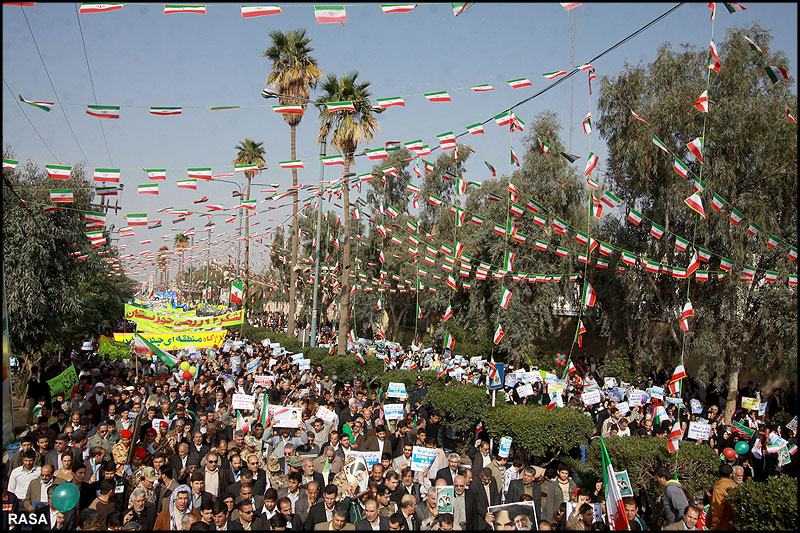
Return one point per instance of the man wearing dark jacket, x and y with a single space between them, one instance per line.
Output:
486 494
519 488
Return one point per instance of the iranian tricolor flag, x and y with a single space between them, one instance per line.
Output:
733 7
288 109
591 163
617 519
657 231
103 111
44 106
587 123
695 203
717 202
475 129
96 7
61 196
519 83
245 168
201 173
658 142
628 258
106 175
675 437
57 172
688 311
94 219
508 261
505 297
136 219
773 242
332 160
166 111
340 106
713 61
482 88
680 167
148 188
694 264
736 217
589 296
771 276
438 96
597 208
553 75
143 346
702 103
776 73
498 333
156 173
390 102
790 116
259 11
397 8
236 292
181 8
449 341
696 148
609 199
190 184
793 253
240 423
681 244
330 14
247 204
292 164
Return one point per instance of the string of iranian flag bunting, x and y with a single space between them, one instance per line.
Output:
559 225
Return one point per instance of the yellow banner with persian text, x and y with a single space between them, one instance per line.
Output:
179 341
147 317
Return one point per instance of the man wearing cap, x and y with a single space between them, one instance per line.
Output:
96 400
120 450
137 466
147 477
384 496
417 393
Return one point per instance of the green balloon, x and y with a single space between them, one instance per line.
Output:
65 497
742 447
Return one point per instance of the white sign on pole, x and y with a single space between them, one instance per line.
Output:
698 431
591 398
243 401
396 390
325 414
393 411
422 458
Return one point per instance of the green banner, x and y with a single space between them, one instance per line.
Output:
114 349
63 383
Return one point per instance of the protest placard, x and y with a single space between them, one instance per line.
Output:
243 402
696 406
624 408
304 364
505 447
236 363
296 357
762 408
262 380
519 516
370 458
422 458
596 507
591 398
610 382
657 393
252 366
396 390
749 403
63 383
393 411
792 424
287 417
624 483
635 397
475 360
157 423
524 390
698 431
325 414
444 498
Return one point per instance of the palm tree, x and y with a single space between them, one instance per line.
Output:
161 261
294 74
179 243
250 152
348 129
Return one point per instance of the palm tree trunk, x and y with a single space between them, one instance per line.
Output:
246 256
344 301
295 243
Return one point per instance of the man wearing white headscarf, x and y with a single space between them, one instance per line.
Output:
180 504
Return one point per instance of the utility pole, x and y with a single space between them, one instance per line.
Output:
314 310
574 13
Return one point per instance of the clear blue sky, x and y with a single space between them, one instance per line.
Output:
140 57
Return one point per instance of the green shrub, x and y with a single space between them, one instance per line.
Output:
589 477
771 504
781 418
461 406
640 456
347 367
544 434
619 364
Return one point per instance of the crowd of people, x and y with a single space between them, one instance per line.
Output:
149 449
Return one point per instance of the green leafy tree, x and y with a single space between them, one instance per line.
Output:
348 129
750 160
249 152
294 73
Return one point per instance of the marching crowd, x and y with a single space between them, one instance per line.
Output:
149 450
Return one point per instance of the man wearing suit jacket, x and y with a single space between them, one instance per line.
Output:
296 495
408 507
486 494
377 442
518 488
322 512
183 462
53 457
163 490
217 479
334 462
465 507
338 522
222 521
309 474
372 521
37 488
407 485
247 518
197 448
449 472
480 456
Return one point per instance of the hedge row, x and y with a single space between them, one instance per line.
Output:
769 505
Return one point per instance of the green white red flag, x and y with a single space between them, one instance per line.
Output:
702 102
340 106
143 346
106 175
696 148
148 188
330 14
166 111
519 83
103 111
182 8
713 60
61 196
44 106
259 11
617 519
390 102
439 96
397 8
58 172
498 333
589 296
553 75
97 7
776 73
695 203
288 109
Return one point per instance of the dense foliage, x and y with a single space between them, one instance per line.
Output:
769 505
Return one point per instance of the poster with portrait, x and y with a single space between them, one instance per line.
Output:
287 417
520 516
356 469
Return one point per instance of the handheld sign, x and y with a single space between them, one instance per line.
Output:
393 411
287 417
396 390
524 390
444 498
698 431
591 398
505 447
624 482
243 401
422 458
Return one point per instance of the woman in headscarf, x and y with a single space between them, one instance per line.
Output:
180 504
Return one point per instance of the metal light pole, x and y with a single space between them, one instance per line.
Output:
314 311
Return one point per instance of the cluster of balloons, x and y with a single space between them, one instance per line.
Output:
65 497
189 371
739 448
561 359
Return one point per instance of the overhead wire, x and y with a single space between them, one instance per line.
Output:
31 123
